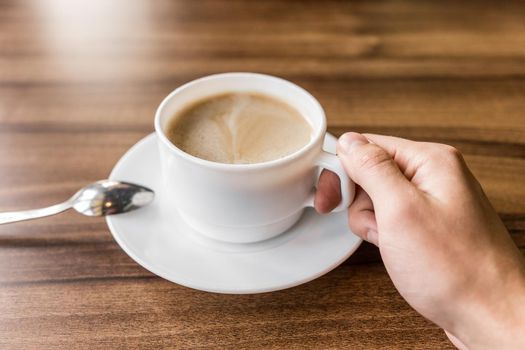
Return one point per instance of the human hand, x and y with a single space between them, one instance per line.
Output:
443 245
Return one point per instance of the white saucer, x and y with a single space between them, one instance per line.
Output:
163 244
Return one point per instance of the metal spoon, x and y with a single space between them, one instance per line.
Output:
105 197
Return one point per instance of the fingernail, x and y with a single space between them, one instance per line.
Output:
351 140
373 237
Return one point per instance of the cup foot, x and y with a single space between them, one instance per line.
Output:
251 234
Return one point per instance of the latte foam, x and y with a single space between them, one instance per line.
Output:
239 128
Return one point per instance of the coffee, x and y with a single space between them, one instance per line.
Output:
239 128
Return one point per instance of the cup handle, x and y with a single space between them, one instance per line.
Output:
331 162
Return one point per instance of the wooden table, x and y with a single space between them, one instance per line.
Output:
79 83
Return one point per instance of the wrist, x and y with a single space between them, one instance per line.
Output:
493 316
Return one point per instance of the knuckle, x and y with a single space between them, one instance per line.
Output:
445 153
353 211
451 152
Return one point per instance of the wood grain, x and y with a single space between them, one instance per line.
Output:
79 83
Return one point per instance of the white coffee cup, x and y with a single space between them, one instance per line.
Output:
244 203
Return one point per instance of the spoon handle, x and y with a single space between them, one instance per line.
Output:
14 216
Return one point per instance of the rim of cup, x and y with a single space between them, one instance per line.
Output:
318 132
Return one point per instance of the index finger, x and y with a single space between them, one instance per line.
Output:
406 153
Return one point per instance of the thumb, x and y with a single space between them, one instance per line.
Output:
371 167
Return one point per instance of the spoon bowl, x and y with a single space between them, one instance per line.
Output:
108 197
